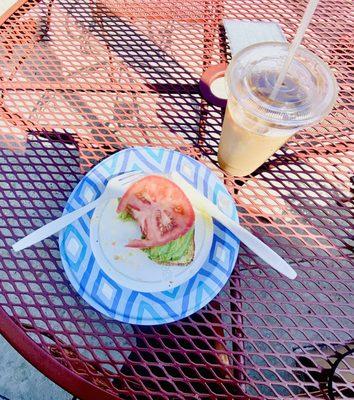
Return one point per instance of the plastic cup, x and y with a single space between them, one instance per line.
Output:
255 126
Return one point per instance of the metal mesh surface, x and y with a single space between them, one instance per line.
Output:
82 79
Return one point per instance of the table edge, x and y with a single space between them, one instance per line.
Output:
47 364
11 10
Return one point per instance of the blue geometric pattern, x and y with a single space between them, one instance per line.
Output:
188 170
88 192
75 247
127 305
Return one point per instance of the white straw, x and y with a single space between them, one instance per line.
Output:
310 9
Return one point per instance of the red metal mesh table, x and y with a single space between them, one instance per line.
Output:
81 79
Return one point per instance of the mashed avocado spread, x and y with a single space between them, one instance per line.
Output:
176 250
125 216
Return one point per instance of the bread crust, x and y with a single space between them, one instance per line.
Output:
190 256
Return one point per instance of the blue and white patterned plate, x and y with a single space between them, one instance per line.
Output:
127 305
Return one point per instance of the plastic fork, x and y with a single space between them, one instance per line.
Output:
113 189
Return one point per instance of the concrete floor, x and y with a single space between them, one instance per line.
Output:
20 381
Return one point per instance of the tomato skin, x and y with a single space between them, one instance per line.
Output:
160 207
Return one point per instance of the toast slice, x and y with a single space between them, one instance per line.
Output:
185 260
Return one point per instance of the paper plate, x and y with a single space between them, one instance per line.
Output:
132 268
100 288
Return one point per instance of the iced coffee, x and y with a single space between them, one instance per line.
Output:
255 124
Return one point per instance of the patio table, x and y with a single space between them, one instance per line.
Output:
82 79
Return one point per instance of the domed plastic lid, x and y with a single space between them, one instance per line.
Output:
306 96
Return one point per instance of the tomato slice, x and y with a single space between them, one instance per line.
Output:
161 208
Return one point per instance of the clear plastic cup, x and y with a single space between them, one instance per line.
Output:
256 126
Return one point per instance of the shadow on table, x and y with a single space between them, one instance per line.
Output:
160 70
185 354
149 65
146 61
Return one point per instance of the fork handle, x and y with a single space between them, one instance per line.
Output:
54 226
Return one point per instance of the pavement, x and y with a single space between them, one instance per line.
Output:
20 381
